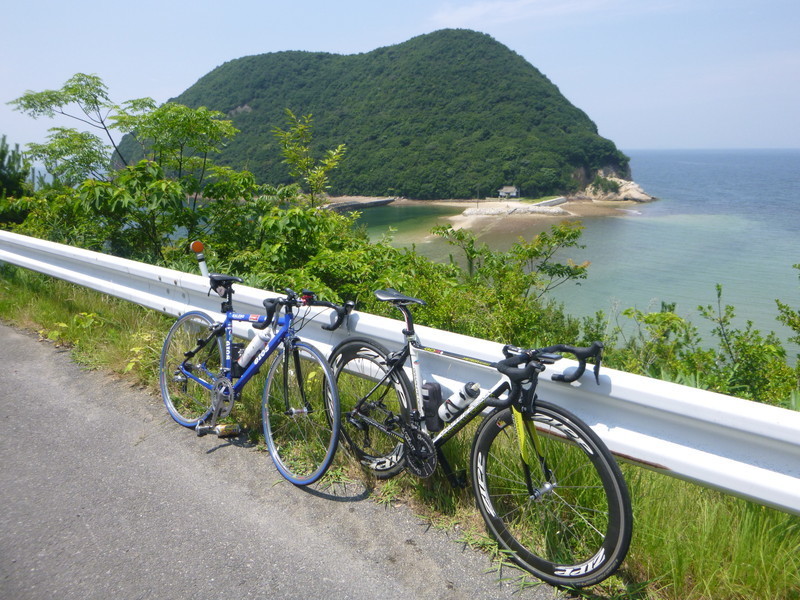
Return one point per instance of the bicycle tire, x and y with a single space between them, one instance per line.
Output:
300 411
189 402
357 365
578 530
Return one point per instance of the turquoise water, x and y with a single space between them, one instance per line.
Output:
724 217
728 217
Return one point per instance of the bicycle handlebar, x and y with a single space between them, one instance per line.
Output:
536 359
305 298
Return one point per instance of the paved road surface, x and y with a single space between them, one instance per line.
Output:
104 497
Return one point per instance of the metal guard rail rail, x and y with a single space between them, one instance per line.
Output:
740 447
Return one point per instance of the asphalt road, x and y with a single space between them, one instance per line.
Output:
103 496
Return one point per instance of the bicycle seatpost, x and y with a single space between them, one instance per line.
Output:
197 247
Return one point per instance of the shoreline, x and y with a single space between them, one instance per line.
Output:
506 214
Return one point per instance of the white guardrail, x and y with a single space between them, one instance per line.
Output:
740 447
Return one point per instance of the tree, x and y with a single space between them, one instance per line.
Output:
528 268
178 138
295 142
135 209
14 170
83 98
139 210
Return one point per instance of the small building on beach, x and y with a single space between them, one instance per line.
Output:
508 191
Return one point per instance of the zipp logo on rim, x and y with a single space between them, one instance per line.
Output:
487 501
582 569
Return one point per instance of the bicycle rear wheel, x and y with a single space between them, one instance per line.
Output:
188 401
563 511
300 410
359 365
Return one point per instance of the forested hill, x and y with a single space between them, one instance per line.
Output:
449 114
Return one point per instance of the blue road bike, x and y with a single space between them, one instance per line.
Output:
203 371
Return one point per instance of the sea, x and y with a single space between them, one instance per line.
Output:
727 217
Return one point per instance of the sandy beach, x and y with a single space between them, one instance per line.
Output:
503 211
510 215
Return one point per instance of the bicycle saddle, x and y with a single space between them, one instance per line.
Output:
392 295
218 279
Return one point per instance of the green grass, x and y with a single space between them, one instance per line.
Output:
690 543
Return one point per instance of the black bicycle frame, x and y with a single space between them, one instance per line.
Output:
477 406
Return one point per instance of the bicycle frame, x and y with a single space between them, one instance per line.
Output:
285 331
485 399
413 349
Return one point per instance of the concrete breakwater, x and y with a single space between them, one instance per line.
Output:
345 203
546 207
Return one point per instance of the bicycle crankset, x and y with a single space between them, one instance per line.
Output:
420 453
222 397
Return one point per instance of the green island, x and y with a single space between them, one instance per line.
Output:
450 114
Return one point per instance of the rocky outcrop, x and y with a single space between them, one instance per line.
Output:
616 189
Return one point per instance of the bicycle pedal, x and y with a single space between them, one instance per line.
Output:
203 430
227 429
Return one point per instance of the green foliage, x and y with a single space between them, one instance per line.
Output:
72 156
444 115
789 316
510 286
295 144
14 171
83 98
662 342
137 212
747 364
605 185
178 138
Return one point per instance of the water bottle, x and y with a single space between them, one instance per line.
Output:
260 339
459 401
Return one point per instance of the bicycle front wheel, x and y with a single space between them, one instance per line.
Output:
555 501
300 411
186 383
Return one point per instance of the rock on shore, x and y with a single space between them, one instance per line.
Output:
627 190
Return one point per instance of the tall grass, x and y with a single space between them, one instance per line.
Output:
697 543
690 543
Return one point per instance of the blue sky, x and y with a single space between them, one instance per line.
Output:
649 73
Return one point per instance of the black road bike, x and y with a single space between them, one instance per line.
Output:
548 488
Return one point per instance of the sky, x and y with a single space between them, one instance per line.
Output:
652 74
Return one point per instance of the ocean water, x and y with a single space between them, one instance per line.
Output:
723 217
728 217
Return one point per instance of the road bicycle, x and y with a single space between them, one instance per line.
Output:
203 371
549 490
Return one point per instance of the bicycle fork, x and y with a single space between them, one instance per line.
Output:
531 454
290 411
